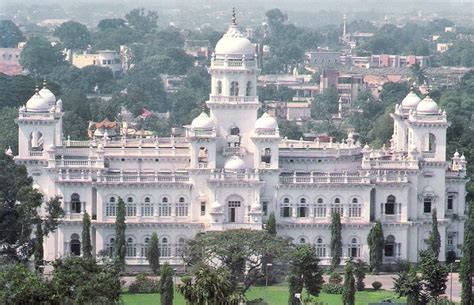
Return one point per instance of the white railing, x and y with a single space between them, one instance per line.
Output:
67 175
36 153
394 164
231 151
220 176
232 99
323 178
142 178
76 163
398 179
428 155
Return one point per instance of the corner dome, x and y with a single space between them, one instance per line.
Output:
234 42
37 103
48 96
427 106
266 121
235 163
411 100
203 121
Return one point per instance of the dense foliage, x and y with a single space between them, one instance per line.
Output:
376 242
336 240
120 242
466 273
86 236
166 285
348 293
10 34
434 240
153 253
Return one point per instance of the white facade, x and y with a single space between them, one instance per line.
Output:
231 170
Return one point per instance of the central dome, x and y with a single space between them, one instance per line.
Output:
427 106
234 42
266 121
48 96
202 121
235 164
37 103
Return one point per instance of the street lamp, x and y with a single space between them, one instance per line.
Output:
451 281
266 280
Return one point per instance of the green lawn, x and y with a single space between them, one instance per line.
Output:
277 295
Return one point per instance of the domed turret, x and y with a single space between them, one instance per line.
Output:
235 164
203 121
37 103
47 95
266 122
427 106
234 42
411 100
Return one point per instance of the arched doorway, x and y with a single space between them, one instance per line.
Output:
390 246
75 245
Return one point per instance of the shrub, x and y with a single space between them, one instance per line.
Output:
144 284
377 285
333 288
335 278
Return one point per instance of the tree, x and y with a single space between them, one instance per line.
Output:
239 251
376 242
289 130
418 74
86 236
360 268
153 253
348 293
141 21
408 284
73 35
166 285
433 274
120 242
8 135
39 251
466 273
10 34
336 240
434 240
304 269
271 224
40 56
113 23
19 211
295 285
210 285
20 285
80 280
325 105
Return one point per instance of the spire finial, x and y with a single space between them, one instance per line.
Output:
44 82
233 17
203 107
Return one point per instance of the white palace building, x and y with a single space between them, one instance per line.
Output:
232 168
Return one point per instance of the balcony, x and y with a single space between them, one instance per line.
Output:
324 178
143 177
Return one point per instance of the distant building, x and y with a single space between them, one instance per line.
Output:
107 58
200 50
348 86
385 60
323 58
10 61
443 47
290 111
172 82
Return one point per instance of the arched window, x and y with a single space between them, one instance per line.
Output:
234 88
431 143
285 208
111 247
427 203
164 208
130 207
36 141
180 246
354 248
390 246
266 155
165 250
302 208
337 207
111 207
320 247
219 87
450 203
147 207
355 208
390 205
131 248
75 245
235 131
182 207
320 208
146 245
302 240
202 155
248 90
75 203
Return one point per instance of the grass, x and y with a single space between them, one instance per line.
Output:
277 295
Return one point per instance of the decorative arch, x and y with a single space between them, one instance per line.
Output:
182 206
248 89
354 247
320 246
286 206
390 246
75 245
130 206
165 246
302 207
302 240
219 87
111 205
76 205
131 247
164 206
234 88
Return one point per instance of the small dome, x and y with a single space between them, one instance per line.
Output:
463 157
203 121
266 121
427 106
48 96
235 163
456 154
37 103
411 100
234 42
